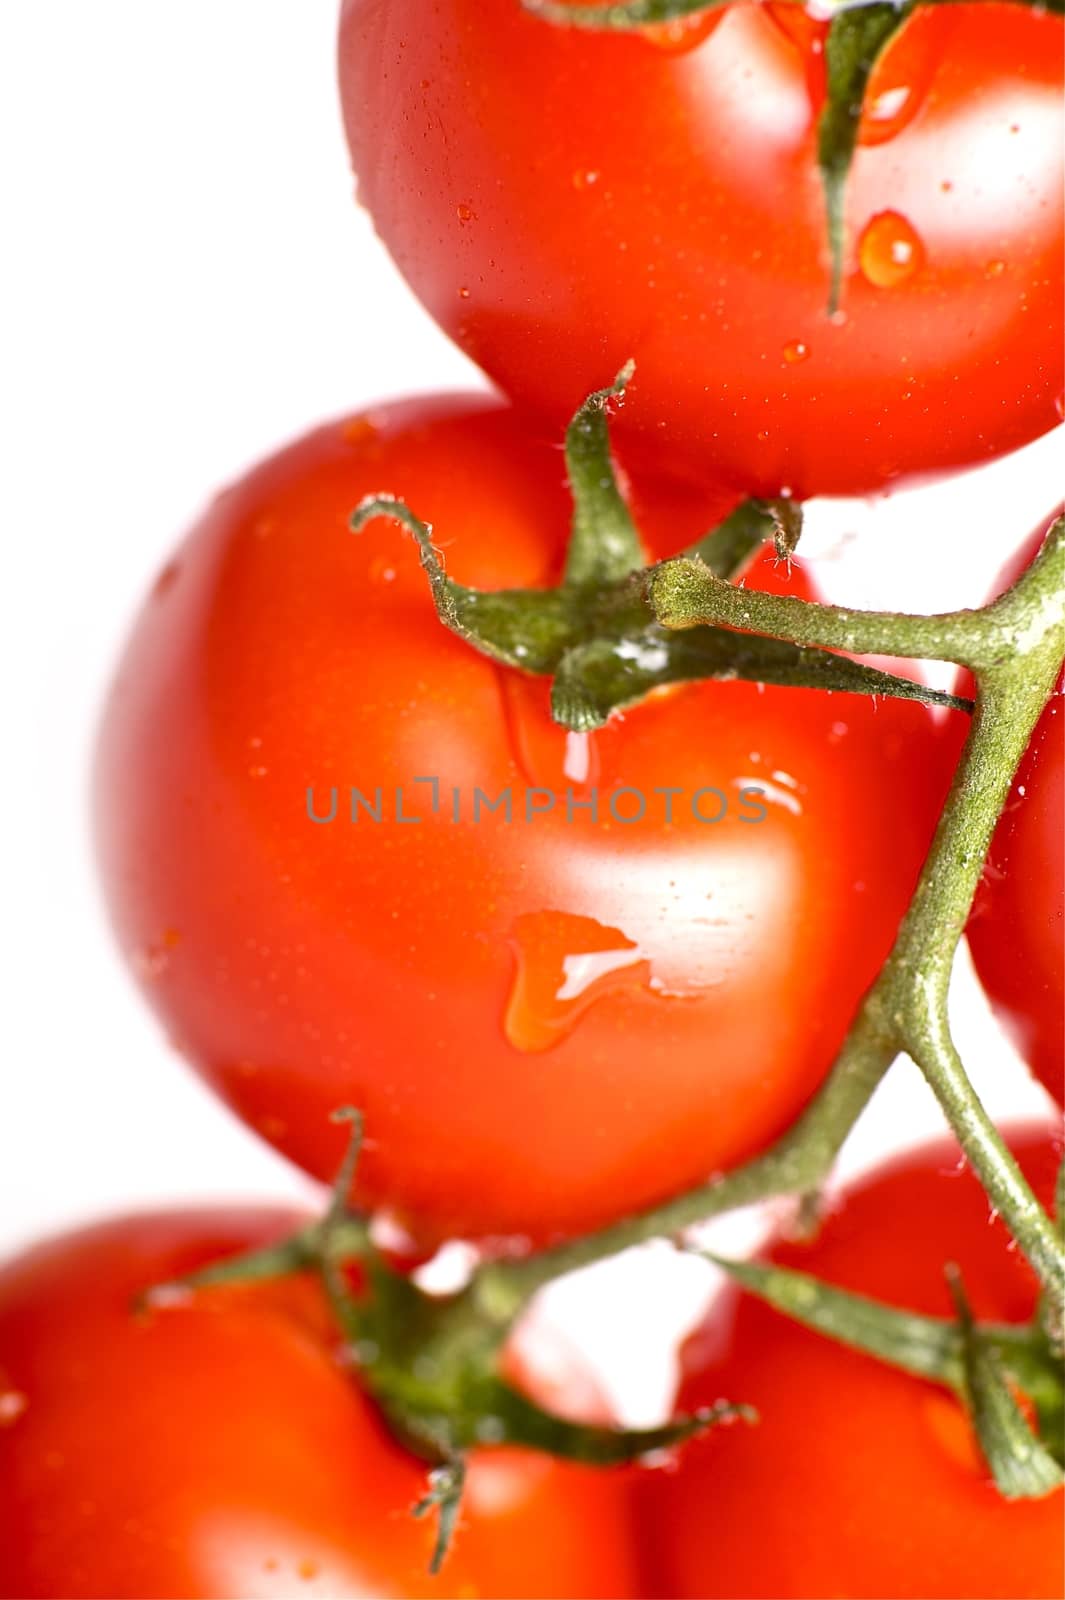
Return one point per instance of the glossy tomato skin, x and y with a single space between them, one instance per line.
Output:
547 1022
215 1448
858 1480
1017 927
562 201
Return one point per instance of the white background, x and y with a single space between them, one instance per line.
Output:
187 283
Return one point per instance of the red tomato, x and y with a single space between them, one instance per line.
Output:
858 1480
547 1022
1017 928
561 201
215 1448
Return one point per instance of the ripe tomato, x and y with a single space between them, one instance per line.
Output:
214 1447
561 201
548 1021
1017 928
858 1480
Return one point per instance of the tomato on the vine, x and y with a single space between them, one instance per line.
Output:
562 201
549 1017
858 1479
1017 928
212 1445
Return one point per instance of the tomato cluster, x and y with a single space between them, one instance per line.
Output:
569 966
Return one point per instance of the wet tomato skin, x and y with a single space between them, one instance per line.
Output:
215 1448
546 1023
562 201
867 1482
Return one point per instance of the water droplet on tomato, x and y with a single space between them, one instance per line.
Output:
1059 407
890 250
585 179
564 964
807 33
899 84
994 269
153 960
581 763
465 213
359 431
885 114
464 293
682 34
382 570
166 579
13 1404
547 755
168 1296
795 352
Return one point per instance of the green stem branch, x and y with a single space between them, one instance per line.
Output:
1015 646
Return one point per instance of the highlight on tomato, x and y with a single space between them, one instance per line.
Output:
563 200
212 1445
859 1479
552 1011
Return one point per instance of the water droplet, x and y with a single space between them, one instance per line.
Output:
153 960
464 293
166 579
763 436
899 84
465 213
890 250
887 113
795 352
682 34
12 1406
1059 406
382 570
359 431
581 763
776 794
564 964
168 1296
585 179
994 269
548 756
807 33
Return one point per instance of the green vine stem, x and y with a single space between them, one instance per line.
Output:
1014 647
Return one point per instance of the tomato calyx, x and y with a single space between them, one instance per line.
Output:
596 635
984 1365
432 1362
